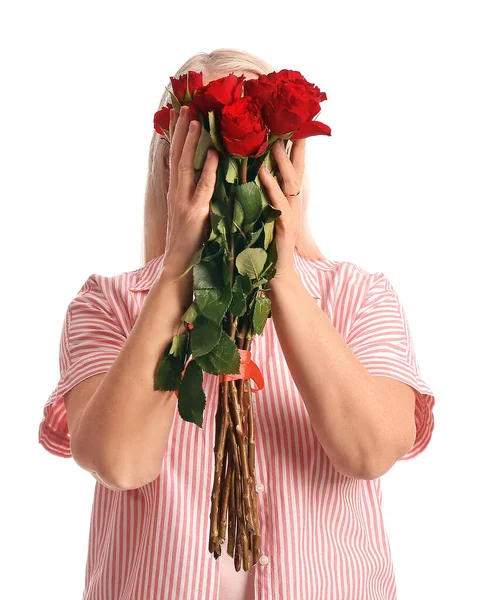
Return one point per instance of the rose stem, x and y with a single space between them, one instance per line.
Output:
239 525
251 458
241 539
223 501
244 168
221 428
251 452
245 549
225 495
233 451
244 388
240 336
231 517
243 457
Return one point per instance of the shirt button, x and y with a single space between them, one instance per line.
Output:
259 487
264 560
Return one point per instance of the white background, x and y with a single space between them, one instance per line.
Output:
399 188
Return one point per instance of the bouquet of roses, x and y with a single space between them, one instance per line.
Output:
241 119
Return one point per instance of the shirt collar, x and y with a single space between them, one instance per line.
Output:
307 270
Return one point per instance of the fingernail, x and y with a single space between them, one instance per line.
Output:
267 171
192 127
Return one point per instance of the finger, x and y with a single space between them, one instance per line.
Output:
291 181
173 120
275 194
298 156
186 183
179 135
207 182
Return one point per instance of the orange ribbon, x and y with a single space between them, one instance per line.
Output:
248 369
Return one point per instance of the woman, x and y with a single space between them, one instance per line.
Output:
343 401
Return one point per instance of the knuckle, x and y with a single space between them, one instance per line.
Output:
183 167
205 184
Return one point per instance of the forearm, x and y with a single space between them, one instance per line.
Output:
126 425
349 416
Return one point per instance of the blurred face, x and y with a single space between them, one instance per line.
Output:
206 77
217 75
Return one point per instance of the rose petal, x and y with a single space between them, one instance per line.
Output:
311 128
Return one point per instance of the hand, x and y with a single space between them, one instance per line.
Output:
188 203
287 226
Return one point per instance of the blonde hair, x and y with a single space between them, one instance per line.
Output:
224 60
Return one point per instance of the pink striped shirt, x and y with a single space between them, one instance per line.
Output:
323 535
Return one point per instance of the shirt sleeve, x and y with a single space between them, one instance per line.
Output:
91 339
380 337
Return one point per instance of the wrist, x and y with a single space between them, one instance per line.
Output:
175 265
283 281
170 275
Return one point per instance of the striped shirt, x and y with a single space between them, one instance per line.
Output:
322 532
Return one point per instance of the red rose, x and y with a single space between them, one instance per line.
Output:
161 119
218 93
189 81
289 102
243 131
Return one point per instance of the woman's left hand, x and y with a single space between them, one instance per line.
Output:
288 224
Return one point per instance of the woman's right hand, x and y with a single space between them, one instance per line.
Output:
187 203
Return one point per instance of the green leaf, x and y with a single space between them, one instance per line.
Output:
249 197
213 255
226 266
222 229
205 142
174 100
219 200
270 213
241 289
238 303
206 275
214 133
223 358
268 266
251 262
191 396
214 219
206 364
168 372
244 283
255 235
213 303
238 217
232 172
269 230
255 164
260 313
263 190
191 313
204 336
272 252
221 226
179 344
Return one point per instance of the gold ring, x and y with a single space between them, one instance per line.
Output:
296 194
